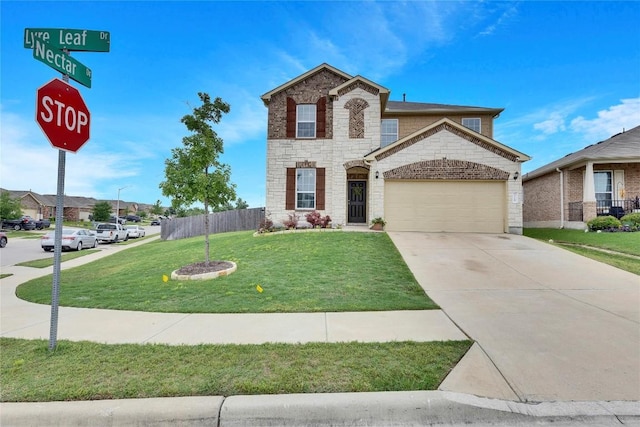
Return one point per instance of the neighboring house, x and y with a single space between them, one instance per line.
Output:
76 208
601 179
338 145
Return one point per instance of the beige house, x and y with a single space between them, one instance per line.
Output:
601 179
338 145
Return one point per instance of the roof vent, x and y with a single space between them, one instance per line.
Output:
404 97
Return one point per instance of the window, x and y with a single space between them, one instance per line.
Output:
306 121
305 188
473 124
604 188
388 131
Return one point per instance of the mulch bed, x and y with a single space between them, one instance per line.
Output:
203 267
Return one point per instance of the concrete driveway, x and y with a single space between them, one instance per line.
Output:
548 324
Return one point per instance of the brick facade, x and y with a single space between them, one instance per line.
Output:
309 91
542 195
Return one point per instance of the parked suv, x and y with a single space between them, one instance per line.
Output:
133 218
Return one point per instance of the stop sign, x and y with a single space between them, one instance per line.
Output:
62 115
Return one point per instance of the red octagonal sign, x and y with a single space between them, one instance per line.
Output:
62 115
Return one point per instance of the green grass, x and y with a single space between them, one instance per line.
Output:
88 371
48 262
618 246
2 276
299 272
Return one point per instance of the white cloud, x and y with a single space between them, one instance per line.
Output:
507 15
611 121
553 124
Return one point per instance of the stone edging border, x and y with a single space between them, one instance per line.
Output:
205 276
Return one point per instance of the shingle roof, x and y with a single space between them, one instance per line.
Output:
623 146
422 107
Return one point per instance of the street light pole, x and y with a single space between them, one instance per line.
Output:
118 205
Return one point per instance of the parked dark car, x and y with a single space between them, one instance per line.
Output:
43 223
133 218
3 239
25 222
155 222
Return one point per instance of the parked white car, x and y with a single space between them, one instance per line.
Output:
71 239
135 231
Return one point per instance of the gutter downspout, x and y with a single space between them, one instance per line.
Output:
561 197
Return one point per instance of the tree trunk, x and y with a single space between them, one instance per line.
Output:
206 232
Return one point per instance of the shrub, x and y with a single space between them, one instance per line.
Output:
266 226
632 220
608 223
316 220
292 222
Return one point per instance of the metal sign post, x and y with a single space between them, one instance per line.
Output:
52 46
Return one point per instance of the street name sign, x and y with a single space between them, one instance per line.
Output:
72 40
58 60
62 115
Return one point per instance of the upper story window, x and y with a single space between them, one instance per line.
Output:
305 188
473 124
306 121
388 131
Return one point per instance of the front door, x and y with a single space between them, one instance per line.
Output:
357 209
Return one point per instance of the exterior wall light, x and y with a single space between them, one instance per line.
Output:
516 175
377 174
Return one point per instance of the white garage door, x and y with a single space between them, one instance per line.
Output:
454 206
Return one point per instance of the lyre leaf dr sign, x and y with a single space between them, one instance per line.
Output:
49 44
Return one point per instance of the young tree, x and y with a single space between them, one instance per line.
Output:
156 209
101 211
9 208
194 172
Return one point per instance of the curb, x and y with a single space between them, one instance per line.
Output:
417 408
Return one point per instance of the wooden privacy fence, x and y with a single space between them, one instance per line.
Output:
219 222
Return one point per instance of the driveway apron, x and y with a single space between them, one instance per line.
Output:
553 324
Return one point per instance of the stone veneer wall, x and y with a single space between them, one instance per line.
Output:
331 154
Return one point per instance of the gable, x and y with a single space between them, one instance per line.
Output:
323 69
454 128
313 89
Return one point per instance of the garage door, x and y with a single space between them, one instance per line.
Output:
454 206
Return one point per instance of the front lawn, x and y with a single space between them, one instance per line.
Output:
621 249
298 272
88 371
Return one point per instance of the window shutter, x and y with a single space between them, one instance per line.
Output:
290 197
291 118
321 113
320 188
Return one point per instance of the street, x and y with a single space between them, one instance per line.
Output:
22 249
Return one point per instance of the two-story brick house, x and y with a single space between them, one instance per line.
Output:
338 145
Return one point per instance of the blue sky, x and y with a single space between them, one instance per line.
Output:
567 74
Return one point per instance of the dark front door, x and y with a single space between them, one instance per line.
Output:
357 202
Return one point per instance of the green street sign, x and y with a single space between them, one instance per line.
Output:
62 62
72 40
